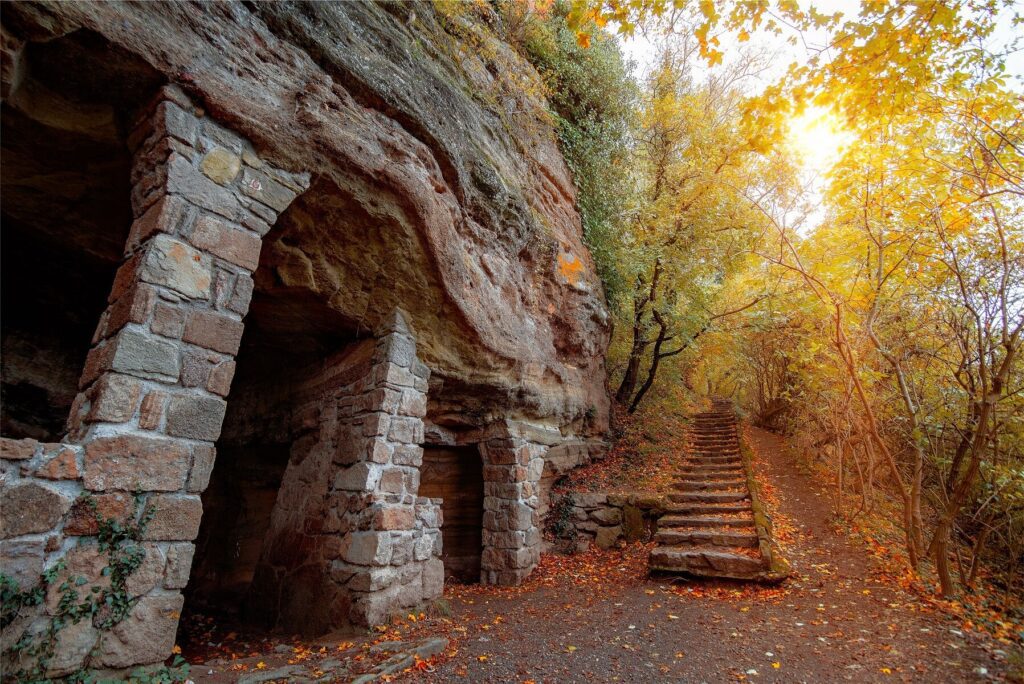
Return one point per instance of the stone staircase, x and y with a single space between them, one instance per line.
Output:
709 527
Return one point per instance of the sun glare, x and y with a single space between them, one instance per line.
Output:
818 139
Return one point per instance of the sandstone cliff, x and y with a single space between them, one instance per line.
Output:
437 184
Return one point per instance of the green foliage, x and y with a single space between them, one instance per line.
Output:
593 101
105 607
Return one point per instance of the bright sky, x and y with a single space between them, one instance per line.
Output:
816 135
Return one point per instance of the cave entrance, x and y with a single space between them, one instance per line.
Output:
272 420
455 475
66 215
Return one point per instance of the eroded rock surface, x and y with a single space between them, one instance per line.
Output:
438 186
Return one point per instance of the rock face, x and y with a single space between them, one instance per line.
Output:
314 237
438 185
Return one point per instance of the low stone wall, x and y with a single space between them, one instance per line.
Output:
578 519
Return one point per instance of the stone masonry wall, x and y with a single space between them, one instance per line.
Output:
578 519
350 541
152 394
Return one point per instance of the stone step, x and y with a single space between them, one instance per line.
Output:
690 508
713 461
709 497
706 561
709 537
707 484
710 470
703 521
711 475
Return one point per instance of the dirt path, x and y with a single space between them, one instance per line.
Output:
830 623
597 617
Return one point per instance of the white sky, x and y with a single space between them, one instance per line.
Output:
818 143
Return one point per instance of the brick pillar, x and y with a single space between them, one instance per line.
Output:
350 539
152 394
513 456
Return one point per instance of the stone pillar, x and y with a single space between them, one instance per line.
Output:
350 540
513 456
152 393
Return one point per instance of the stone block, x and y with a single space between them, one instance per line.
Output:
17 449
239 247
75 641
145 636
221 377
391 517
195 416
423 547
406 430
183 179
607 516
264 189
241 295
165 216
203 458
134 305
84 565
84 516
22 561
175 517
361 477
606 537
139 353
401 549
392 480
150 572
375 424
177 266
380 451
135 463
29 507
590 499
114 399
375 608
151 412
221 165
60 462
372 579
407 455
168 320
413 403
367 548
397 349
213 330
179 565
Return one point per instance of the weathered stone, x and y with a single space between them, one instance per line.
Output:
214 331
139 353
168 320
241 295
203 457
164 216
186 181
75 642
22 561
17 449
150 572
85 513
240 247
145 636
179 564
220 378
433 579
151 412
175 265
361 477
195 416
221 166
393 518
266 190
406 430
114 399
135 463
84 566
175 517
606 537
62 463
29 507
607 516
368 548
